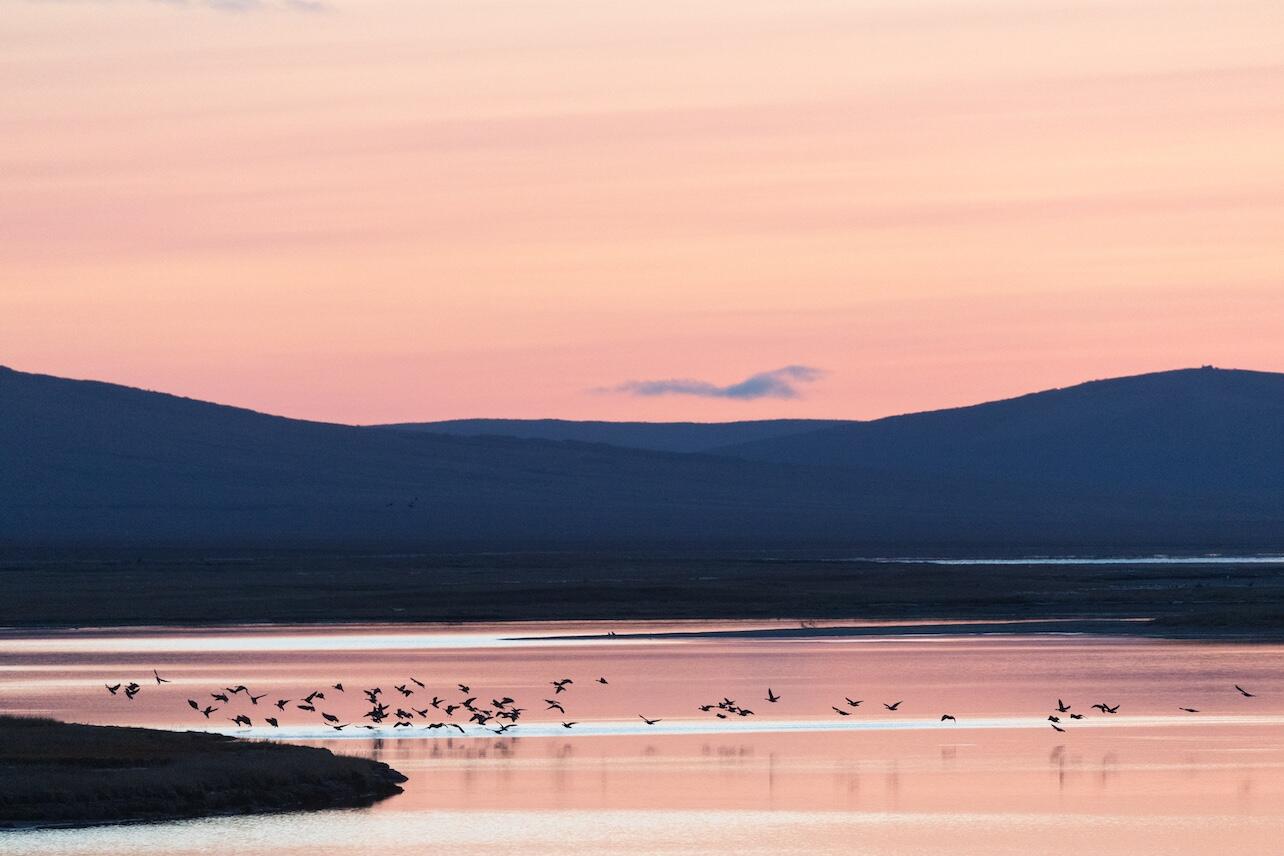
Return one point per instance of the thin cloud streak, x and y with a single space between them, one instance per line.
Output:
777 383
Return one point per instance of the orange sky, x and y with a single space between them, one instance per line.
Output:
401 209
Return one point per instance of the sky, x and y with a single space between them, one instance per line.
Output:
396 210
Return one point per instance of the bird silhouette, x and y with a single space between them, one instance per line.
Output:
893 705
271 721
841 712
338 687
1062 707
554 704
1057 727
1189 709
601 680
219 697
854 703
772 697
568 724
1245 693
159 679
282 702
950 717
112 688
207 711
254 699
194 705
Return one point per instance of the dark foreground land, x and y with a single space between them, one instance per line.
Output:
1194 600
54 773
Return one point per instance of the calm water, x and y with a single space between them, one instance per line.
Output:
793 778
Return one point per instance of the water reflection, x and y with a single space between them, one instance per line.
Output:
800 780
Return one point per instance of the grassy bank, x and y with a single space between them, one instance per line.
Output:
55 773
191 590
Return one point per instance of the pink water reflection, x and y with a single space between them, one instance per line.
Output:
1222 767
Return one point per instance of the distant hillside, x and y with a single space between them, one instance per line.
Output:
1211 433
656 436
86 462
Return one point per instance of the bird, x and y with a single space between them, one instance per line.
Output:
1062 707
329 717
1189 709
553 704
950 717
601 680
436 702
1057 727
841 712
1054 719
194 704
568 724
207 711
417 682
237 689
560 686
282 702
892 706
313 696
463 688
219 697
254 699
309 708
338 687
772 697
271 721
112 688
855 703
1076 716
132 690
1245 693
159 679
242 719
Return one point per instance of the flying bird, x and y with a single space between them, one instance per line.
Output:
892 706
772 697
159 679
950 717
1245 693
841 712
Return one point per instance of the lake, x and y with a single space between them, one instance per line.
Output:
793 777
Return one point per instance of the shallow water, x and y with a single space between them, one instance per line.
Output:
793 777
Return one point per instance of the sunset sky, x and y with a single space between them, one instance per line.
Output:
379 210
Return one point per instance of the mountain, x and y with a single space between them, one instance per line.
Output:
83 462
1205 433
656 436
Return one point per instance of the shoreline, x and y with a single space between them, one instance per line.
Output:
67 775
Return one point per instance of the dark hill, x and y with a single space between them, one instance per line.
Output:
90 463
1209 433
656 436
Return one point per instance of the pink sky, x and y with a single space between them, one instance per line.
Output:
402 210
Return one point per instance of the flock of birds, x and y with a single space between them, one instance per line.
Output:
499 716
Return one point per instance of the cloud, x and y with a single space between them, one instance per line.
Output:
777 383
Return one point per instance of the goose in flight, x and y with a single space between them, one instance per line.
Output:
112 688
854 702
1057 727
648 721
568 724
272 721
841 712
254 699
948 716
554 704
1245 693
1189 709
1062 707
282 702
772 697
159 679
338 686
207 711
601 680
893 706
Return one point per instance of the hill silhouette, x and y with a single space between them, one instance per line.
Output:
655 436
1175 459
